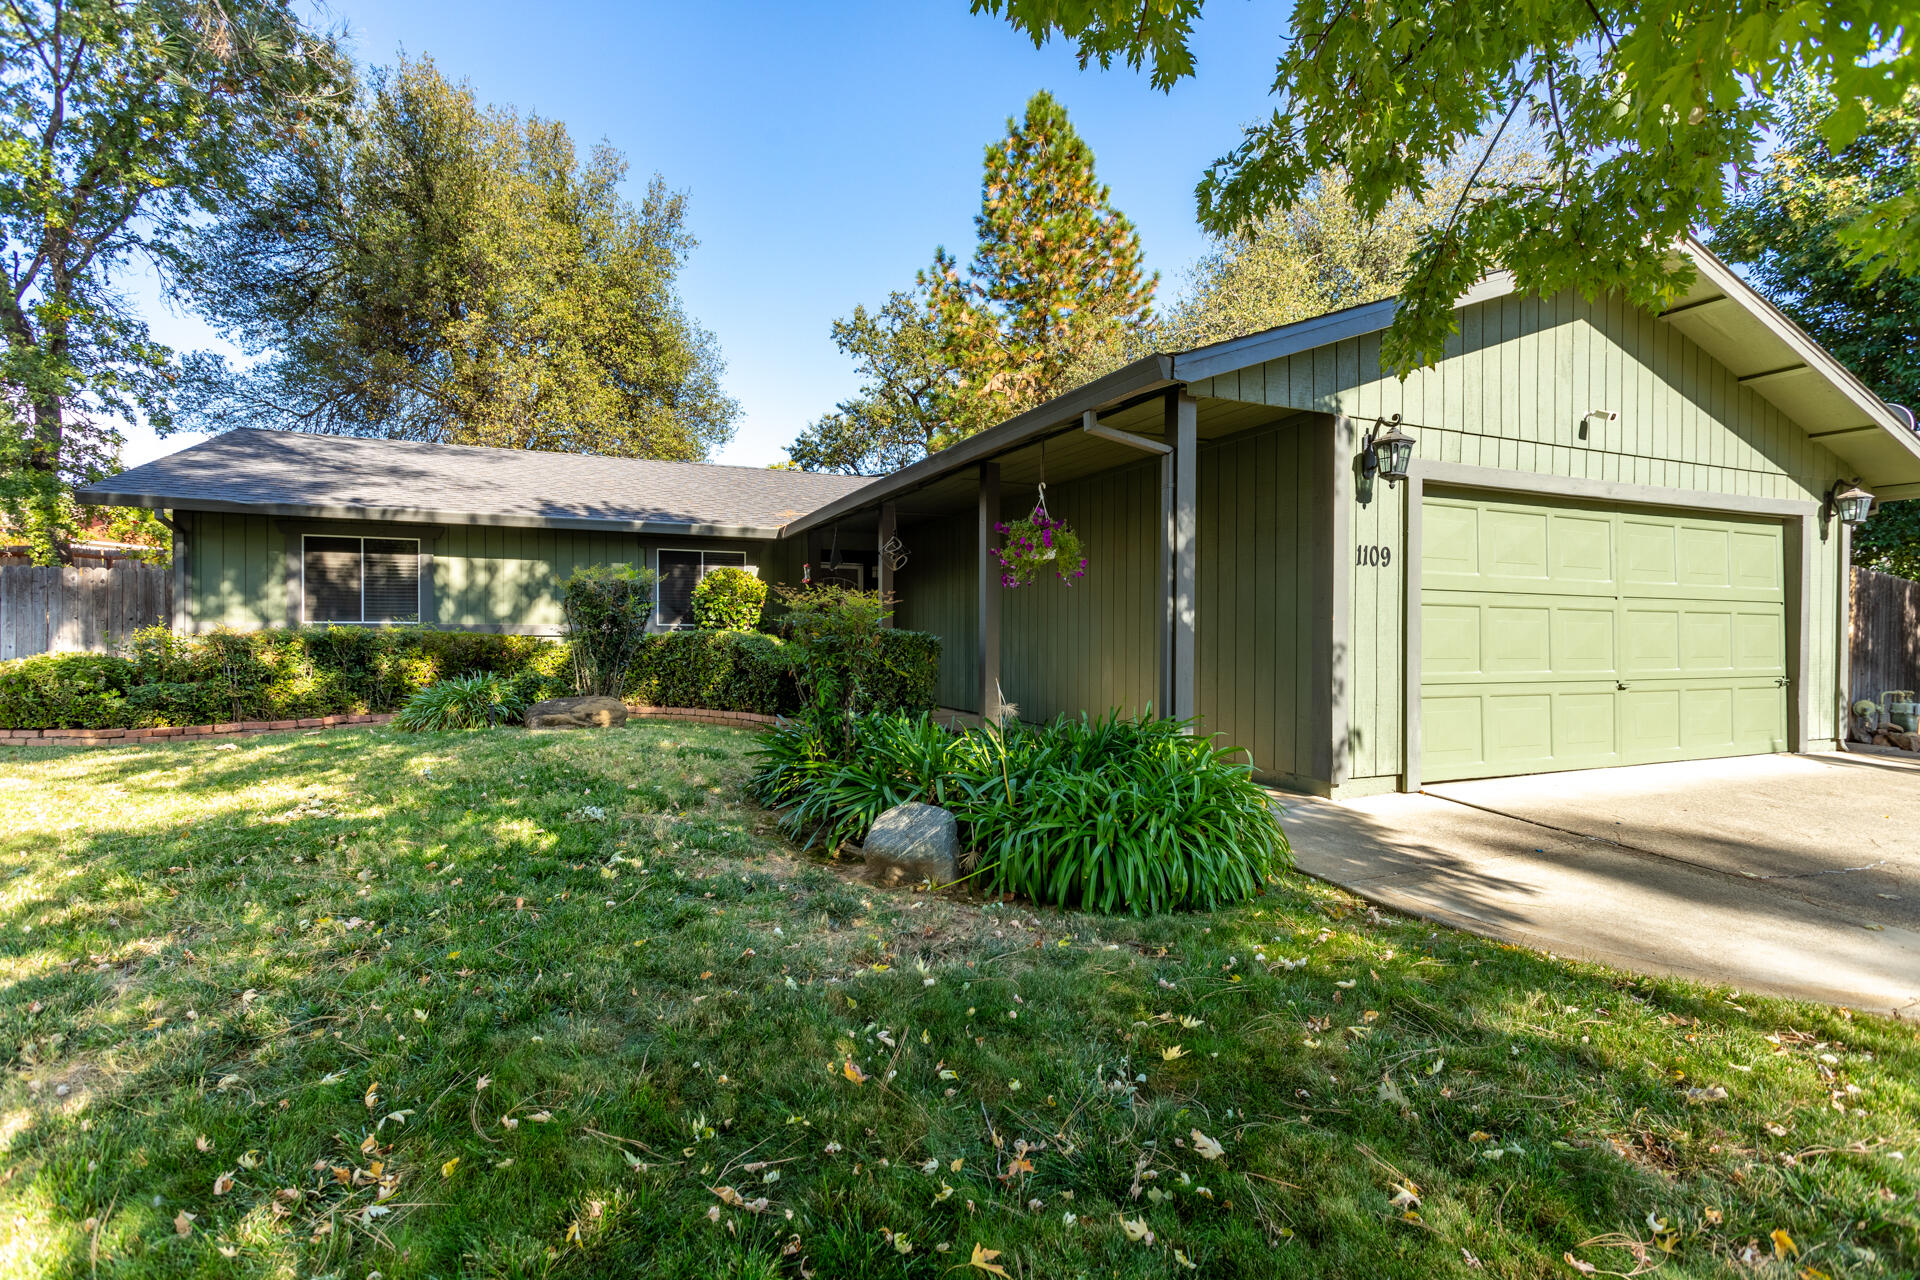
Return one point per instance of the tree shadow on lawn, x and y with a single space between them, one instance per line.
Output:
662 1042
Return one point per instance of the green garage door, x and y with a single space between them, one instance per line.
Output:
1561 636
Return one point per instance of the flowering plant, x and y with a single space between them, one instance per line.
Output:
1039 542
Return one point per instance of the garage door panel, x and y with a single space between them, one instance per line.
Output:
1519 727
1651 724
1757 560
1450 729
1759 641
1706 640
1704 557
1517 640
1513 544
1581 548
1706 720
1584 728
1759 718
1583 640
1558 636
1450 638
1652 639
1648 555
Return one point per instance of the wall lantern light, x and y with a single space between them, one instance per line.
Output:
1852 504
1387 451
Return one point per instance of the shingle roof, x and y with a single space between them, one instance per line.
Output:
295 474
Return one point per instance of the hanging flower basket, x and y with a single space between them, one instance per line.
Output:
1037 544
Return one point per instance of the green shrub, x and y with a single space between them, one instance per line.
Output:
274 674
729 599
607 609
478 701
548 673
718 670
907 674
1135 815
848 663
64 691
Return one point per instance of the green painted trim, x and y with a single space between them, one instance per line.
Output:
1333 600
1459 476
1355 788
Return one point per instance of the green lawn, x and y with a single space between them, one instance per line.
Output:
566 1004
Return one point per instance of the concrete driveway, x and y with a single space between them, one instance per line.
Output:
1793 875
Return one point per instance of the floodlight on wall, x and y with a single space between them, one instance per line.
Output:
1604 415
1852 504
1387 451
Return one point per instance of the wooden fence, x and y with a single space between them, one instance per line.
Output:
1886 634
61 610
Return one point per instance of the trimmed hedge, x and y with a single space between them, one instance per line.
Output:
276 674
283 674
747 671
910 673
717 670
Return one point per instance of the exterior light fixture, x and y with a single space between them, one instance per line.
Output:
1852 504
1387 451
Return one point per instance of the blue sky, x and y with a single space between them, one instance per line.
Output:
827 148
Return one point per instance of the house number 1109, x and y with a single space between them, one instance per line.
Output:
1374 556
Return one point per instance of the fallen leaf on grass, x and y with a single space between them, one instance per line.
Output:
983 1259
853 1072
1169 1054
1783 1244
183 1223
1208 1148
203 1143
223 1184
446 1170
1137 1230
731 1197
1584 1268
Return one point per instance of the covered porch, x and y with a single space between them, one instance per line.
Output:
1181 525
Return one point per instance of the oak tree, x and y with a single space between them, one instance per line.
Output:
432 269
122 123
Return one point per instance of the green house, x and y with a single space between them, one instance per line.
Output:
1617 538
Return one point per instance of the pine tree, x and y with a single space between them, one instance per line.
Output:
1056 287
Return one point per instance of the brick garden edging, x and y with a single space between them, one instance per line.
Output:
739 719
248 728
177 733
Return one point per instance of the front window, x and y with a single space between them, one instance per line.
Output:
680 571
360 580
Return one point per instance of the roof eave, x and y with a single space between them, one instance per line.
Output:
1148 373
1815 356
99 497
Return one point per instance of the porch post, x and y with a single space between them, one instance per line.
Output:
987 611
888 518
1183 429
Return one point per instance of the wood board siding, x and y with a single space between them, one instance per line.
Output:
1511 392
236 572
1264 516
1090 644
485 577
936 594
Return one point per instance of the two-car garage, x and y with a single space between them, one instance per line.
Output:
1561 635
